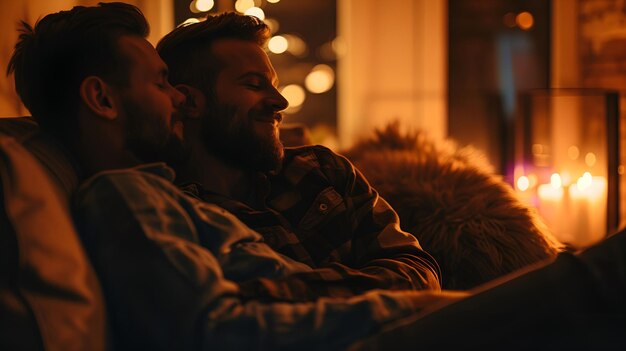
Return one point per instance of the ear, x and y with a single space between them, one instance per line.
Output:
97 95
195 101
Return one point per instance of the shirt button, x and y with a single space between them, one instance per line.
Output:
323 207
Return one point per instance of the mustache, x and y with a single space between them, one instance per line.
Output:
278 117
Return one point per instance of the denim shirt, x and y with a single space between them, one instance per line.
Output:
170 266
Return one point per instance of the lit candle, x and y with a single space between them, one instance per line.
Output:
551 204
589 197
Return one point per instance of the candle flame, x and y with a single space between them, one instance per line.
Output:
523 183
555 180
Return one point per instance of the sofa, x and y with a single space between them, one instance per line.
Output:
50 298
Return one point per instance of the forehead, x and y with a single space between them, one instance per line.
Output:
240 56
141 54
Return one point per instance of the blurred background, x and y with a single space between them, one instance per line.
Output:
466 70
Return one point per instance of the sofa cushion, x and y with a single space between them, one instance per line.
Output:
49 294
51 154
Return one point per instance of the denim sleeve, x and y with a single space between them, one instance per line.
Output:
164 291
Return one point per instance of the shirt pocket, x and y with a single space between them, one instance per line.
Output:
325 205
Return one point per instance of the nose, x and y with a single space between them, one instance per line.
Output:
278 101
177 97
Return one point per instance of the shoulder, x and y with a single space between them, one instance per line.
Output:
131 184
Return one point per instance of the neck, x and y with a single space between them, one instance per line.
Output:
99 147
205 168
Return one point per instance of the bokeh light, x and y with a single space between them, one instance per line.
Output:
525 20
277 44
573 152
273 24
555 180
297 46
256 12
523 183
320 79
197 6
590 159
294 94
243 5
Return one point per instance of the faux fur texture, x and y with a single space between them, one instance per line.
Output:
462 213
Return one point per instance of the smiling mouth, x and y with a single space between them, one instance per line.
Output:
274 120
268 121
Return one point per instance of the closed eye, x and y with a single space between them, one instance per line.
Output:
254 86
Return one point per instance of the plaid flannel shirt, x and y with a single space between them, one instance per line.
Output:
321 211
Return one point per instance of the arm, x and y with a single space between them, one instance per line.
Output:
164 291
373 252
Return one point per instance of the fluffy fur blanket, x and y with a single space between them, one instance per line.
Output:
462 213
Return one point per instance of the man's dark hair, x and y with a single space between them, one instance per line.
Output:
187 49
52 59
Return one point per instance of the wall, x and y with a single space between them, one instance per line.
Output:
158 12
394 67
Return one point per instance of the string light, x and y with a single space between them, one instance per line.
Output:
243 5
201 5
320 79
277 44
256 12
294 94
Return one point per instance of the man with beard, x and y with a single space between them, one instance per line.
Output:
308 203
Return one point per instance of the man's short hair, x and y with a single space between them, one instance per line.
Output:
52 59
187 49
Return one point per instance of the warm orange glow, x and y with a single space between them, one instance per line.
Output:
273 24
297 46
243 5
201 5
548 192
566 178
573 152
294 94
590 159
588 187
532 180
256 12
584 182
537 149
525 20
555 181
320 79
523 183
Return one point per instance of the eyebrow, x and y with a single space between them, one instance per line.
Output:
258 75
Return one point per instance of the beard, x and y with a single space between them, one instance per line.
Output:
150 142
236 143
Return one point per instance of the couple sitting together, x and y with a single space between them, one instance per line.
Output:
247 244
